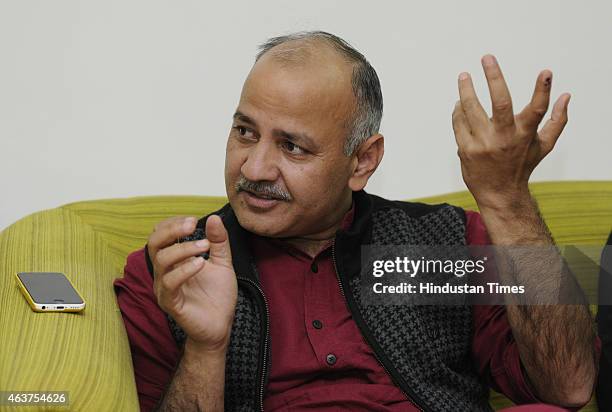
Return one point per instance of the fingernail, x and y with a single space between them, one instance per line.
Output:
463 75
197 262
488 60
201 243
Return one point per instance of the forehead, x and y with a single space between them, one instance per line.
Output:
313 93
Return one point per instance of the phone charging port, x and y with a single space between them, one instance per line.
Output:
59 307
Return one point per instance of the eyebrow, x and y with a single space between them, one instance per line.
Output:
291 136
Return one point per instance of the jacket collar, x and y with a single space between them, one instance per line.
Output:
348 242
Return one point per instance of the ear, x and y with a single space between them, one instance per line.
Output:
366 160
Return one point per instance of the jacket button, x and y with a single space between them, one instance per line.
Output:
317 324
314 267
330 359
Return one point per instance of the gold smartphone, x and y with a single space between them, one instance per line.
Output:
49 292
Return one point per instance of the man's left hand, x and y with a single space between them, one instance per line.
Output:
498 154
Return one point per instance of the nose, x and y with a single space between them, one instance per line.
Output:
261 162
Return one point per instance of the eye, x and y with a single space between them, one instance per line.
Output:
292 148
243 131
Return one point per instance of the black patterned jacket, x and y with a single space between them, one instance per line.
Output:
425 349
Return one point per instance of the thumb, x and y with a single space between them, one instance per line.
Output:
220 252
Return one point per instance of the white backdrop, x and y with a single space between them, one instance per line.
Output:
120 98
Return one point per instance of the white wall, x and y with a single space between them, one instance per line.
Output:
121 98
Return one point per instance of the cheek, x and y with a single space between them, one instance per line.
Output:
234 157
312 182
233 163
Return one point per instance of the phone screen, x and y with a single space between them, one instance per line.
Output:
49 287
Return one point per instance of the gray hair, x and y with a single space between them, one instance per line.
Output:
368 112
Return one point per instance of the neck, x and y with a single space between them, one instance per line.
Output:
315 243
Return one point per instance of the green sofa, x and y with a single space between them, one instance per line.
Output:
87 354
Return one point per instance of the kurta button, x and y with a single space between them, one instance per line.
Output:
330 359
314 267
317 324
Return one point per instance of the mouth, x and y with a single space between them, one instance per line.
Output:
259 201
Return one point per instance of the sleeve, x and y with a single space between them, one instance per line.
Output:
155 354
604 328
494 349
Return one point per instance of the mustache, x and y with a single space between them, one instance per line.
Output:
262 188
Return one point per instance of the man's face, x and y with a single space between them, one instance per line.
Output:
286 142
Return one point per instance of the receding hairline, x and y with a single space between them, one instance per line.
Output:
300 52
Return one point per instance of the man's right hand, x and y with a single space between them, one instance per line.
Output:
199 294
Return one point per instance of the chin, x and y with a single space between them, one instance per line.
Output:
261 225
264 224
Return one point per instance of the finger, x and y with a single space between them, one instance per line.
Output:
167 232
220 251
554 126
170 283
534 112
461 127
475 114
172 256
501 102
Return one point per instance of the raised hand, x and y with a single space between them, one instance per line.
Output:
199 294
499 153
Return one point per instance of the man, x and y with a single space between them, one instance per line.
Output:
273 319
604 328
